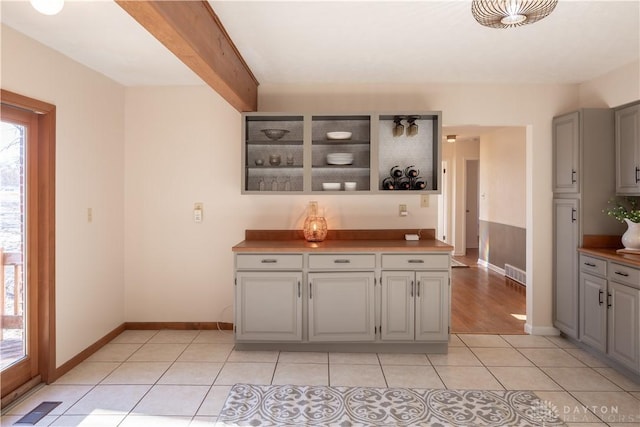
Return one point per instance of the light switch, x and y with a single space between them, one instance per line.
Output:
424 201
403 210
89 214
198 212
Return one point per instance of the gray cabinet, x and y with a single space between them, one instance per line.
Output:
593 307
415 302
627 137
623 299
565 271
268 306
341 306
583 183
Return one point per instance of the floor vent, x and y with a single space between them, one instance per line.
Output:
37 413
516 274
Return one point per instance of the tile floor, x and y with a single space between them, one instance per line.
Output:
181 378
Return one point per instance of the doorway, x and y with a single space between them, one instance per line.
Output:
472 209
27 198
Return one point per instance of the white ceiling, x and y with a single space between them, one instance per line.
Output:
347 42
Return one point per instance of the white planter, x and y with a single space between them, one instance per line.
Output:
631 237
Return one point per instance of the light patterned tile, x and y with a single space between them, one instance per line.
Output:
468 377
551 357
500 357
136 420
214 400
253 356
88 420
586 358
89 373
206 353
133 336
191 373
483 340
214 337
245 372
109 400
179 400
611 407
622 381
303 357
301 374
403 359
457 356
580 379
356 375
114 353
455 341
354 358
523 341
561 342
523 378
174 337
205 421
10 420
412 376
137 373
152 352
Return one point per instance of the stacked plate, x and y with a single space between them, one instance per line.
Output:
340 158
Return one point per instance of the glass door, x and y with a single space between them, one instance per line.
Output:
18 340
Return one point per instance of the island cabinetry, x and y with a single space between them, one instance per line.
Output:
415 301
627 136
268 297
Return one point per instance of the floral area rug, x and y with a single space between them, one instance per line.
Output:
259 405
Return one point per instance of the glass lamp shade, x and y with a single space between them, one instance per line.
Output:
315 228
48 7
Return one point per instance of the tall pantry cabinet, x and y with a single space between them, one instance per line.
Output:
583 182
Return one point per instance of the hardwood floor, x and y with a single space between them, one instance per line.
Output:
485 302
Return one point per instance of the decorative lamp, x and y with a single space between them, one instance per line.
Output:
451 138
511 13
48 7
315 226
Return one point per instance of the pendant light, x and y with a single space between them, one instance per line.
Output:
48 7
510 13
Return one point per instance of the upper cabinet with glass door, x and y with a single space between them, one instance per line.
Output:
341 154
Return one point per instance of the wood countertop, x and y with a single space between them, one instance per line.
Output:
341 241
611 254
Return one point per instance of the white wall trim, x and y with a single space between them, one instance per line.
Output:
492 267
540 330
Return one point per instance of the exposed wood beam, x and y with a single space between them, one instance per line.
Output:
193 32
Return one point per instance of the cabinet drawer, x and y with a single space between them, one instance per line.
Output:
269 262
624 274
593 265
416 261
342 261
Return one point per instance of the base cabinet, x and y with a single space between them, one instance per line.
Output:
413 305
593 311
269 306
565 271
624 322
341 306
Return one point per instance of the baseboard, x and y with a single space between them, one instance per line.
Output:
84 354
491 267
540 330
180 326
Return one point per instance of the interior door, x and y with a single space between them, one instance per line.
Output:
471 204
18 239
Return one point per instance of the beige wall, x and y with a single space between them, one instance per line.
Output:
613 89
503 177
89 173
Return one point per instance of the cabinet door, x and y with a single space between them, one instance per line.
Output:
627 136
565 271
593 312
566 151
624 322
341 306
398 290
268 306
432 305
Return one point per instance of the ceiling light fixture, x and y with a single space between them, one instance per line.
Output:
451 138
510 13
48 7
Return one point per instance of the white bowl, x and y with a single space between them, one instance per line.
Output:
338 135
350 186
329 186
339 158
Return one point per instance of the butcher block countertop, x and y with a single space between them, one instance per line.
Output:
607 247
341 241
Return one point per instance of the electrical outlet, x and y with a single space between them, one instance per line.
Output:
402 210
198 211
424 201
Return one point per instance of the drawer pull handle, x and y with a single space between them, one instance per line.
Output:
310 291
600 292
416 261
418 289
412 289
637 170
608 299
342 261
269 261
299 293
620 273
573 176
589 264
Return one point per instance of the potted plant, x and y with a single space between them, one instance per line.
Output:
626 209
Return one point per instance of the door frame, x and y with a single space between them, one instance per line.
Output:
44 241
